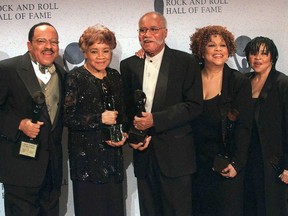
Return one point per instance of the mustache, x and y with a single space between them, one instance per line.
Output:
159 42
149 40
49 50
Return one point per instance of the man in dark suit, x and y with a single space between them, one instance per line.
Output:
163 163
31 128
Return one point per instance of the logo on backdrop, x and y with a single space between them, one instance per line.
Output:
159 6
72 57
239 56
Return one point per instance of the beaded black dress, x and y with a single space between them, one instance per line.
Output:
90 158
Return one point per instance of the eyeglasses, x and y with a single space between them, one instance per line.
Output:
152 30
43 41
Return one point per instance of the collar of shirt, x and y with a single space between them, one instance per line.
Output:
157 59
44 77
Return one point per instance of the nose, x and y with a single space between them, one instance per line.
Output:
100 54
257 56
48 44
149 31
218 47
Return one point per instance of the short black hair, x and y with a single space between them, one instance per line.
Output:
32 30
254 45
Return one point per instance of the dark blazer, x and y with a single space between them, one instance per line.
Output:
236 94
15 105
271 116
177 102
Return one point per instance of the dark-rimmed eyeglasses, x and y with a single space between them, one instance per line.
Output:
43 41
152 30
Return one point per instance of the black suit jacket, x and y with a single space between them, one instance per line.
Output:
271 117
15 105
177 101
236 94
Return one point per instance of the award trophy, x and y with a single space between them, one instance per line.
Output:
28 146
222 160
110 132
135 135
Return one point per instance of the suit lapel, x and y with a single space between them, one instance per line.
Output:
139 71
265 92
226 94
161 86
27 75
267 86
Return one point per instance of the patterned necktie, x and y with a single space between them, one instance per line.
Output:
51 69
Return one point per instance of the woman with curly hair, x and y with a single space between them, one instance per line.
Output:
222 131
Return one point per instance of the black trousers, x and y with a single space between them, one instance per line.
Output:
32 201
160 195
215 195
92 199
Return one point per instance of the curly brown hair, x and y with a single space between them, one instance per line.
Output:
202 36
99 34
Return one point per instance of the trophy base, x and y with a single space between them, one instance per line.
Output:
28 147
113 133
136 136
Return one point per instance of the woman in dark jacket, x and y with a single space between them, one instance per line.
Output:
222 131
94 107
266 175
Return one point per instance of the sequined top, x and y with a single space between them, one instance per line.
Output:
90 158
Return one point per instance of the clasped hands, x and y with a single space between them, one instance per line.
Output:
110 118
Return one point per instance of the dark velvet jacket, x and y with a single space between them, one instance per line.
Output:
271 116
15 105
90 158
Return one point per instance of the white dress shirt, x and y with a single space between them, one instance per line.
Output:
151 71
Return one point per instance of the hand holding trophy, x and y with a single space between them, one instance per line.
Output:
135 135
29 146
114 132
